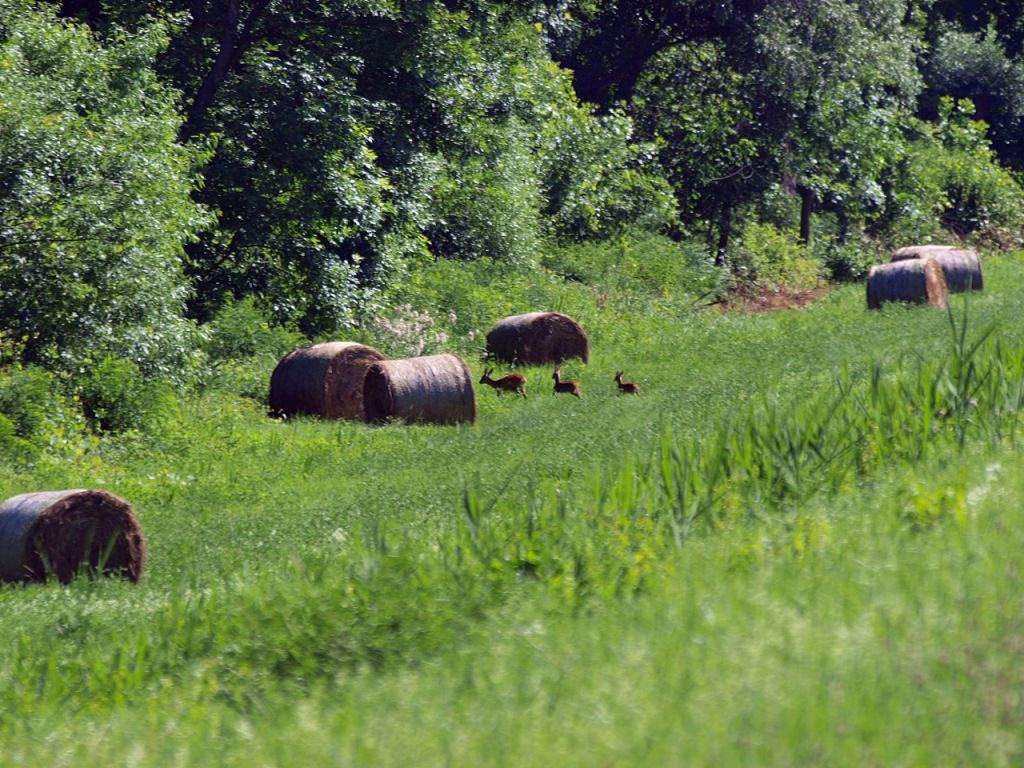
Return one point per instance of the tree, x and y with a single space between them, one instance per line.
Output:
965 65
610 44
94 197
1003 17
697 106
308 219
837 81
355 137
813 98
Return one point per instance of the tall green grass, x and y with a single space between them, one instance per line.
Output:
798 545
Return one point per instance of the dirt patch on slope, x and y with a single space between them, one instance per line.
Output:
750 302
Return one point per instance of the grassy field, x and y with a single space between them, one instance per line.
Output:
801 545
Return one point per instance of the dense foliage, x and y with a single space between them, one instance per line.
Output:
95 199
163 161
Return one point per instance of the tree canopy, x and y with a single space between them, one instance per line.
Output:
166 158
95 196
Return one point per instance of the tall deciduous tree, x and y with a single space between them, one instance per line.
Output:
835 81
611 43
979 16
698 107
355 136
813 97
94 197
307 216
976 66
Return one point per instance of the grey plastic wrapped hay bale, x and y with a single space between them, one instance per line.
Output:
62 533
917 281
960 266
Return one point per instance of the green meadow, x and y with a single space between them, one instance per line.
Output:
802 544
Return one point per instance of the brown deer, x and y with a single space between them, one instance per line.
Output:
514 382
626 387
572 387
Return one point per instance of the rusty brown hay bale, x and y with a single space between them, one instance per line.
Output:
324 380
63 533
537 338
918 281
437 390
961 267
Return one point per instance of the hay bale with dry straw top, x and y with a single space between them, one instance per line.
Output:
323 380
918 281
537 338
437 389
63 533
960 266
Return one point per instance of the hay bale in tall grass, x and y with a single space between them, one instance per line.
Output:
323 380
919 281
961 266
537 338
61 533
437 389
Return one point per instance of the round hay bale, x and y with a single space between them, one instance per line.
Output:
437 390
323 380
961 266
60 533
918 281
537 338
919 251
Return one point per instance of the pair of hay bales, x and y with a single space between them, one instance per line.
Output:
346 380
63 533
924 274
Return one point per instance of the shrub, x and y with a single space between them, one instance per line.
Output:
979 193
33 414
849 260
768 259
27 397
951 178
639 261
11 445
242 347
116 398
242 330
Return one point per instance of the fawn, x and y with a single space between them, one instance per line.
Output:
626 386
572 387
514 382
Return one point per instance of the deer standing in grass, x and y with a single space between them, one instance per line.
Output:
626 387
572 387
514 382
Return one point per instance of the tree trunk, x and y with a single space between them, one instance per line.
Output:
724 233
806 209
235 40
844 224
